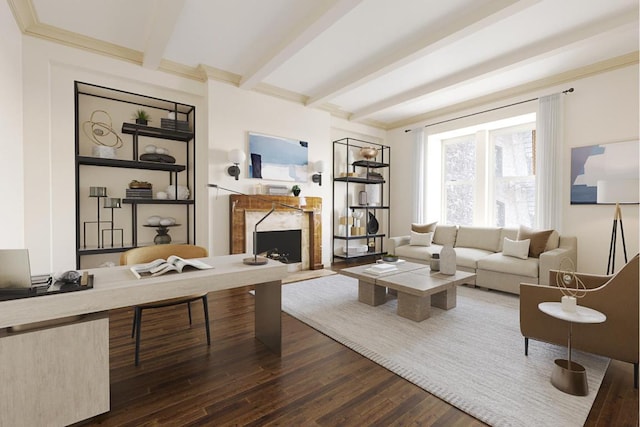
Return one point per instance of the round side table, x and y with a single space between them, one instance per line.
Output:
569 376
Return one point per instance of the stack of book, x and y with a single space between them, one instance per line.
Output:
278 190
172 124
379 269
139 193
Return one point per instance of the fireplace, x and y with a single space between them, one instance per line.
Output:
245 211
282 245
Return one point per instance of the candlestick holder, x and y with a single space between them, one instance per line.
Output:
112 203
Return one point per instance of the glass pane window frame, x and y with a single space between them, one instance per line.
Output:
469 181
520 211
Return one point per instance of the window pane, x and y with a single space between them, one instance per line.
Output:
460 160
459 179
515 202
459 203
514 182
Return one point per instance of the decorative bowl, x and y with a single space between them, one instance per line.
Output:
390 258
368 152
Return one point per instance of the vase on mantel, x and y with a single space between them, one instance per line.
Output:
448 260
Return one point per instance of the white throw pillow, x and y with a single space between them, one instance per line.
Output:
420 239
516 248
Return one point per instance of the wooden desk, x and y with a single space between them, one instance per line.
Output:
59 375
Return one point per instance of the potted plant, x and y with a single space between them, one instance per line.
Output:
389 257
296 190
142 117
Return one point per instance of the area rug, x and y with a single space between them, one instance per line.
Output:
471 356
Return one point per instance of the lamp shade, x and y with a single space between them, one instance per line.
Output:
319 166
618 191
236 156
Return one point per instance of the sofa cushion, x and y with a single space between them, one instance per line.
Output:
553 242
539 239
501 263
469 257
424 228
516 248
420 239
487 238
445 234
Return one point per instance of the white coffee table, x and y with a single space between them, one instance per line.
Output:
569 376
418 288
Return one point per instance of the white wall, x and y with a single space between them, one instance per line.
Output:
224 116
234 113
603 108
48 75
11 160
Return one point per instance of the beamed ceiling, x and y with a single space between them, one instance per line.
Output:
388 63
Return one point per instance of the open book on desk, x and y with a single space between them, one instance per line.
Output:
161 266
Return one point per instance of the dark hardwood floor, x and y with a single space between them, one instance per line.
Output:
316 381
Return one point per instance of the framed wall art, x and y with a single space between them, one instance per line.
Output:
605 167
277 158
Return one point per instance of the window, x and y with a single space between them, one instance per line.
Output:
514 184
459 167
488 173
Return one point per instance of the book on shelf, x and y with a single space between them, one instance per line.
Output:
379 269
162 266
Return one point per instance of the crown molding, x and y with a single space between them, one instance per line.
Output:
526 89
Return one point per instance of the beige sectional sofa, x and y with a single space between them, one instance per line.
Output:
480 250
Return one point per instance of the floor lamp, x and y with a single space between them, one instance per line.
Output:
617 192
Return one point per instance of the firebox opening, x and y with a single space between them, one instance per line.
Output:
283 245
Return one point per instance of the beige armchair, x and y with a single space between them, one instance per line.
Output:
616 296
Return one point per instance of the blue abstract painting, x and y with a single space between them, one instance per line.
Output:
276 158
605 162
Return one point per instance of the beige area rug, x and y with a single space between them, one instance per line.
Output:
471 356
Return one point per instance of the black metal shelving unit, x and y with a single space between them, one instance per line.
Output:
185 139
357 173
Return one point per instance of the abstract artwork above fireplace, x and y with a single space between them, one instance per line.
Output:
276 158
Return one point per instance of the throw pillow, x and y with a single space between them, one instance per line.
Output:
424 228
538 239
516 248
420 239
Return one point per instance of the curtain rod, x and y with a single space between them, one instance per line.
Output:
487 111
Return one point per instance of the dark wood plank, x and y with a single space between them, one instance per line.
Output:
316 382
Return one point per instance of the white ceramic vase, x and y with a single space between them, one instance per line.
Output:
448 260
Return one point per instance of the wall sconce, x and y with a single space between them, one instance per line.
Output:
236 157
318 167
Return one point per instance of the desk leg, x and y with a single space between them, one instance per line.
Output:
268 315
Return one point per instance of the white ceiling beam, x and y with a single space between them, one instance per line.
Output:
423 45
298 41
522 56
163 21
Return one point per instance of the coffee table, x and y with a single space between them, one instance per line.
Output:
418 288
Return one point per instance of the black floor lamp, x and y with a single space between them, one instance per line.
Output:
617 192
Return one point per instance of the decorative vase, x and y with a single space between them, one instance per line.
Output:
372 224
296 193
448 260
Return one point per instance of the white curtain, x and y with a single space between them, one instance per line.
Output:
549 141
420 175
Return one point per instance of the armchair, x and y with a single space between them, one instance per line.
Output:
615 295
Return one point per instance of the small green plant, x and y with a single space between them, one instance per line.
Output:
296 190
141 116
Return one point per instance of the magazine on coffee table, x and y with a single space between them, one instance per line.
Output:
161 266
